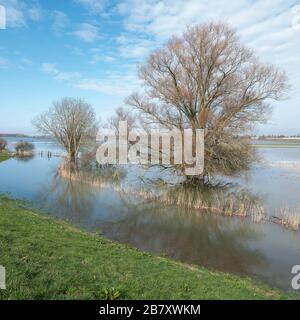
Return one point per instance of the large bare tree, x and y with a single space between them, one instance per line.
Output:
71 122
207 79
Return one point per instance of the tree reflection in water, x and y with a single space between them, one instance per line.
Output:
75 200
24 157
182 233
186 235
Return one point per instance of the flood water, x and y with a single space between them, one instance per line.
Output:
263 251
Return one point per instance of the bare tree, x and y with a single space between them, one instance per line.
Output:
3 144
206 79
121 114
71 122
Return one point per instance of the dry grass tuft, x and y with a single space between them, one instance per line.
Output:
288 217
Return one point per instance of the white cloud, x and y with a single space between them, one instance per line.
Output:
109 58
265 25
113 83
60 21
94 6
165 17
87 32
75 50
99 58
51 69
18 61
35 13
15 14
136 48
18 13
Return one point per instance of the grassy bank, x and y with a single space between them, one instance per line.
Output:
46 258
4 156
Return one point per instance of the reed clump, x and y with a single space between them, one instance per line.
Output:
213 200
288 217
102 177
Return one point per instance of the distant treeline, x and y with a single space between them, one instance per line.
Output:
19 135
13 135
280 136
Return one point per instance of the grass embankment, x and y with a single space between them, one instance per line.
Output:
4 156
49 259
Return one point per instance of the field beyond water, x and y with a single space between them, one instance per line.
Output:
48 259
4 156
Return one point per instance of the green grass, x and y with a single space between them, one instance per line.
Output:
4 156
49 259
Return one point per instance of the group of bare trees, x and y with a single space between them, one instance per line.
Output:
204 79
21 147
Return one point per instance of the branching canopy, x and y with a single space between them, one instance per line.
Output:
71 122
207 79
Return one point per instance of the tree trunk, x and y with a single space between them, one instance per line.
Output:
72 156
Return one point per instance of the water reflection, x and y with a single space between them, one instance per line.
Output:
24 157
186 235
67 199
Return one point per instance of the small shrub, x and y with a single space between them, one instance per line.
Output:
110 294
24 147
3 144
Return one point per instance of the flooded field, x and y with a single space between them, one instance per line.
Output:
264 251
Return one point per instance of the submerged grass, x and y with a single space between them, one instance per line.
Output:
214 200
101 177
239 204
289 217
48 259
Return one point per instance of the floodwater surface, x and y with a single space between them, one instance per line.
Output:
264 251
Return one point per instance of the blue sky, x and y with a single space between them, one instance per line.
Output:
90 49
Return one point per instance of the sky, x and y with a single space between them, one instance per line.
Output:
90 49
